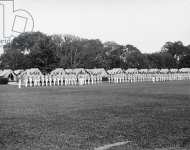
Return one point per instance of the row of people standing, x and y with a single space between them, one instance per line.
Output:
83 79
48 80
145 77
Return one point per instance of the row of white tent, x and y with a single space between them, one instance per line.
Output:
103 72
81 72
59 77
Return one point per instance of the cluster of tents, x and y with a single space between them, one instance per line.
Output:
81 75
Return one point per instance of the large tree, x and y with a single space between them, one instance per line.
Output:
30 50
179 51
39 50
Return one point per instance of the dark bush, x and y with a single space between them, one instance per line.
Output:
4 80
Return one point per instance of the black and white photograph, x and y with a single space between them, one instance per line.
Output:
94 74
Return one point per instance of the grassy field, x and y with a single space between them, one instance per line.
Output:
82 118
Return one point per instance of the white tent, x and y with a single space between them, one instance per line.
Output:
98 71
8 73
164 70
58 72
33 72
174 70
143 70
79 70
115 71
82 72
69 71
184 70
131 70
75 71
153 70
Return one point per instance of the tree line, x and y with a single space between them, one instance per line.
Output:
47 52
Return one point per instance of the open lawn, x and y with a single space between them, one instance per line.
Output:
82 118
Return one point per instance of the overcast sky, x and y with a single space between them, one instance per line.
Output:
147 24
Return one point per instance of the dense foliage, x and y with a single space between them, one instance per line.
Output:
36 49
